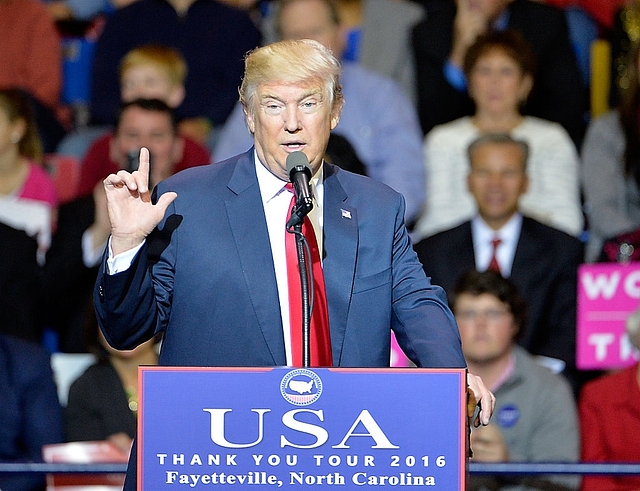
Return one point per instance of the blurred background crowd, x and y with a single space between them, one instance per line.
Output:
511 128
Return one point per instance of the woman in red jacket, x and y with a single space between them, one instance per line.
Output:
610 421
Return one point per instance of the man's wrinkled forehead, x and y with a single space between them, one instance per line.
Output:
302 89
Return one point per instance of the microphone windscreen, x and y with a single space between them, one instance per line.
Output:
296 159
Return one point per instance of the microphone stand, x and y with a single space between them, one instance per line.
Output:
306 289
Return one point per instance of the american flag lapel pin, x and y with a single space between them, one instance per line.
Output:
345 213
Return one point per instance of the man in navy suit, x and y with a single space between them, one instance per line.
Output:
206 262
541 261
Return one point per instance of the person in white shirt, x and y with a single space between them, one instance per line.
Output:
499 67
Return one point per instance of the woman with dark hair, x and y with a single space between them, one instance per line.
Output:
103 401
28 198
611 166
31 60
500 68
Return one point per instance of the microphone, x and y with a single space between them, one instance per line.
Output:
300 175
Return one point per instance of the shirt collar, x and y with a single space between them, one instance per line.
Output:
271 186
509 232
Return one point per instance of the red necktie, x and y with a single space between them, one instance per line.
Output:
320 341
493 264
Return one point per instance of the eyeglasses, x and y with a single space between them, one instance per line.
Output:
490 315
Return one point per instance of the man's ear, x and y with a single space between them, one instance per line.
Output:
336 111
334 121
248 117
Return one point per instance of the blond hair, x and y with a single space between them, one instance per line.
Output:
291 62
168 60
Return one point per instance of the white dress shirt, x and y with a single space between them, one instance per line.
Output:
276 200
483 236
553 196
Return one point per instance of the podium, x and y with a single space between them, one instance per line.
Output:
300 428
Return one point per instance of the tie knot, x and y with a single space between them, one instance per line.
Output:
496 242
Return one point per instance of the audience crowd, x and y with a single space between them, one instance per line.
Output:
476 111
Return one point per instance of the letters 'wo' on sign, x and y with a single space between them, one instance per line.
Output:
299 428
607 294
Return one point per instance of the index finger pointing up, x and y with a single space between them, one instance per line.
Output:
143 169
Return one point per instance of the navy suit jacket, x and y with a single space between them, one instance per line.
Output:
206 277
544 270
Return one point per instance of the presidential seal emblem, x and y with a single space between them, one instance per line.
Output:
301 387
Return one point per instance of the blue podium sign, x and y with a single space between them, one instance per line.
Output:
298 428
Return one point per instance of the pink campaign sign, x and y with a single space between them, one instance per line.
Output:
607 294
398 358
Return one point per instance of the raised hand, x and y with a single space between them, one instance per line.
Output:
131 213
469 23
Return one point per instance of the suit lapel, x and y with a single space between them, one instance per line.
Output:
525 249
340 252
463 252
249 229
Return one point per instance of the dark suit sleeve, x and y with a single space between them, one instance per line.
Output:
131 307
560 340
125 303
421 319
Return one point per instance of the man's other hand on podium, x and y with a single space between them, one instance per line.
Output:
481 398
